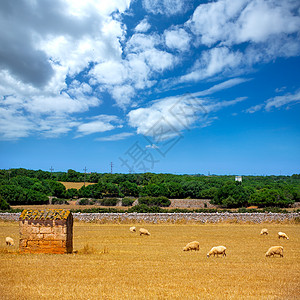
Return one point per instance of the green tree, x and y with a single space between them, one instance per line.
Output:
56 188
3 204
129 189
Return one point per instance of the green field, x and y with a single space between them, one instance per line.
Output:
113 263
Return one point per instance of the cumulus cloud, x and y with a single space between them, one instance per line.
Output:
109 72
44 45
166 7
58 57
214 61
101 123
266 29
142 59
234 22
143 26
177 39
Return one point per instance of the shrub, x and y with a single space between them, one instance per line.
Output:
155 201
127 201
97 210
84 201
109 201
59 201
143 208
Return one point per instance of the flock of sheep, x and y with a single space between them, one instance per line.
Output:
220 250
275 249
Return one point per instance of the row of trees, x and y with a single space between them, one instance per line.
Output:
21 186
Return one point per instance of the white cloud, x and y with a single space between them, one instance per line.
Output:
276 102
238 21
158 60
212 21
47 45
254 108
177 39
166 118
54 126
101 123
44 58
266 29
221 86
109 72
140 42
143 26
13 125
166 7
260 19
123 95
279 101
152 146
212 62
115 137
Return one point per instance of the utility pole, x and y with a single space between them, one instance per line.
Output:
51 169
9 171
111 167
84 174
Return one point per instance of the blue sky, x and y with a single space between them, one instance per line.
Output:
165 86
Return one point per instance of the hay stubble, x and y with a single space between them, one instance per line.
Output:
124 265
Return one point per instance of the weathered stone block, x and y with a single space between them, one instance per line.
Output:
49 236
46 229
34 229
49 231
33 244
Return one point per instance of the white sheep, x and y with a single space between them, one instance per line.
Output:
216 251
9 241
192 246
282 235
264 231
275 250
132 229
144 231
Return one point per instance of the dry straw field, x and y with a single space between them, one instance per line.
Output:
75 185
113 263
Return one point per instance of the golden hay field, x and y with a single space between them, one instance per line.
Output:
75 185
124 265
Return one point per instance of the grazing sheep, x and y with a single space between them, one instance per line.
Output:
275 250
144 231
9 241
216 251
192 246
132 229
264 231
282 235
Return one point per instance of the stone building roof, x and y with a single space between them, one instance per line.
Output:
46 214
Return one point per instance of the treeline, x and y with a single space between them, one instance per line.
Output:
22 186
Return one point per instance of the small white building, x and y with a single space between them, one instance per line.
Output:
238 178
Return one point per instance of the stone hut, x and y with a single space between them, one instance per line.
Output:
46 231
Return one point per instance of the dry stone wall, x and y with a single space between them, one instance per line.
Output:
185 217
174 217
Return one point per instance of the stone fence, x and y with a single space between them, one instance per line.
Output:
173 217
